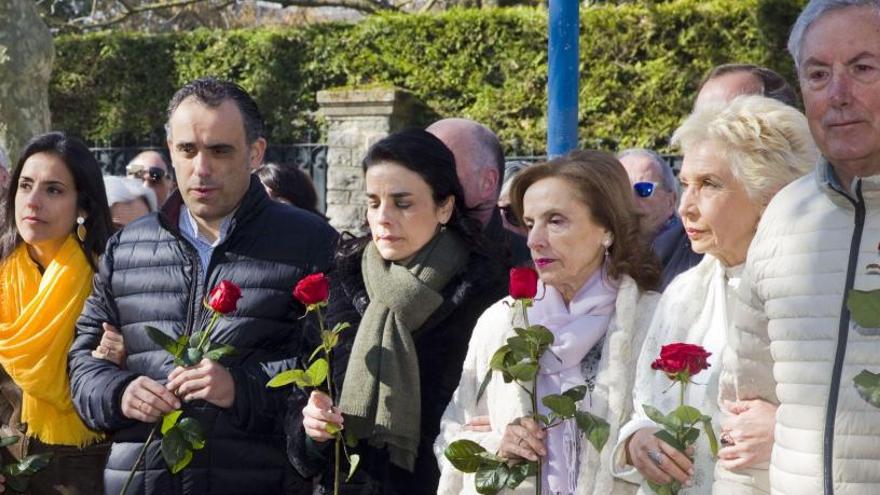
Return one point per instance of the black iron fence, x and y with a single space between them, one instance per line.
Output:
309 157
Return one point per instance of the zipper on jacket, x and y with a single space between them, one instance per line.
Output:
842 337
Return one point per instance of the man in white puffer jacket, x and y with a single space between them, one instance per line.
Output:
793 341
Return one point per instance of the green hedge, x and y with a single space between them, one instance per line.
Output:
640 67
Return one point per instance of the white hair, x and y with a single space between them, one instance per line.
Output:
767 143
125 189
813 11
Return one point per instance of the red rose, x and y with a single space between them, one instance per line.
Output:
523 283
313 289
681 358
224 297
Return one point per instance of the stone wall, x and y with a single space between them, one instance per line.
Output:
356 118
26 56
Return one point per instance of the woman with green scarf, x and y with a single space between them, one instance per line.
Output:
412 291
55 224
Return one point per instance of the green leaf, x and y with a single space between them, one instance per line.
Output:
485 383
864 307
519 472
576 393
17 483
170 419
192 432
671 440
315 353
329 340
317 372
7 441
350 440
193 356
595 428
670 421
868 387
710 434
497 360
195 338
540 335
164 341
563 406
339 327
285 378
688 415
662 489
353 461
218 351
32 463
332 428
175 450
491 478
524 371
462 454
691 435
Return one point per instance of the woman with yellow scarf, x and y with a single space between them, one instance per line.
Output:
55 224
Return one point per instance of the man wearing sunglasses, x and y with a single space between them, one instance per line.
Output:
655 189
151 168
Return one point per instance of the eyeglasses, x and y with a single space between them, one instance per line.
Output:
644 189
153 174
509 216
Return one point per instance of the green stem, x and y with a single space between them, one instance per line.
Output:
539 478
139 458
207 333
338 435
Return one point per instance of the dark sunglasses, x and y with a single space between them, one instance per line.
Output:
509 216
644 189
154 174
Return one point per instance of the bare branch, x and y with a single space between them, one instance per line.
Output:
131 10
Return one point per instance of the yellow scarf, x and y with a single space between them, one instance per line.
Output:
37 319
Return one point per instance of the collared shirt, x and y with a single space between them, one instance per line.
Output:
190 231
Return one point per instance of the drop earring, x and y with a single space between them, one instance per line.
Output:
81 229
606 243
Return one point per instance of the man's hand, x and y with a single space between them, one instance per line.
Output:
318 413
147 400
209 381
112 346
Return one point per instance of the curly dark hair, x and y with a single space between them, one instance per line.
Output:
605 189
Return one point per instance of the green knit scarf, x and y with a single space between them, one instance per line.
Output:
381 395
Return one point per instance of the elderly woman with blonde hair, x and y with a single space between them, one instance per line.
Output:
736 157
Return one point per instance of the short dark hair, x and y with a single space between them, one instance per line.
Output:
213 92
291 184
425 154
773 84
90 193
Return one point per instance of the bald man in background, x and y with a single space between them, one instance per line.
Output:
479 162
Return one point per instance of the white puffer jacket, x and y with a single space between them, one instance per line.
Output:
793 342
504 402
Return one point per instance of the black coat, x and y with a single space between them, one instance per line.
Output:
150 275
441 344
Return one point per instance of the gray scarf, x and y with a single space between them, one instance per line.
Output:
381 395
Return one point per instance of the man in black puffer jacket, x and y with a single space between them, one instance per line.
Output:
220 225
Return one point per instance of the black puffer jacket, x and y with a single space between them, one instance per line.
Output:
441 344
151 276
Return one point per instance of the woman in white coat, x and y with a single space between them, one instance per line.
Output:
595 275
736 157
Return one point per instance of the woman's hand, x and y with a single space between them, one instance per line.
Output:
112 346
656 460
523 439
747 432
317 414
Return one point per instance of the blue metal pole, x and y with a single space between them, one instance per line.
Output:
562 90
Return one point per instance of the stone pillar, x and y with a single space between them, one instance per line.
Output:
356 118
26 56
